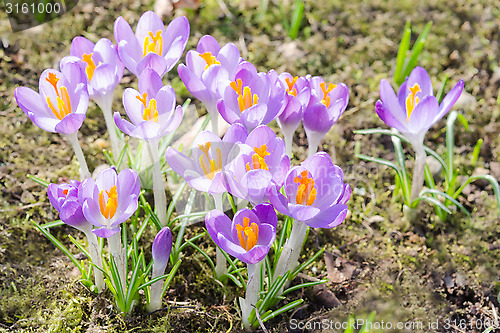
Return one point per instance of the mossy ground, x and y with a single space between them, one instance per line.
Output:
427 271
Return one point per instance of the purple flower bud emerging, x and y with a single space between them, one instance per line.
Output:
110 200
100 63
61 105
162 245
248 236
66 200
152 46
415 109
315 193
151 109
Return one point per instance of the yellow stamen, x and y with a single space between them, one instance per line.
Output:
290 86
209 165
248 234
237 86
150 110
209 59
412 100
109 205
155 45
63 104
306 193
246 100
326 91
258 160
89 70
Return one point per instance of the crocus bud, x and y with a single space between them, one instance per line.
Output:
162 245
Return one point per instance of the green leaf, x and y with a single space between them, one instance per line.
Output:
447 196
38 180
405 184
404 46
440 94
60 246
52 224
476 151
297 16
417 49
493 182
306 264
433 201
303 285
365 328
281 310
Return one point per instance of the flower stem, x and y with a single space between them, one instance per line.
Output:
84 170
158 184
418 173
214 118
251 294
95 256
118 253
220 264
313 140
155 294
289 258
105 103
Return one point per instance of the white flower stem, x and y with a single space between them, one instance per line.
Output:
289 258
84 170
251 294
220 263
158 184
155 295
214 118
313 140
105 104
118 253
95 256
418 172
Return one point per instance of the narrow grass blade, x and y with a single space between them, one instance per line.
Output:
433 201
440 94
447 196
297 16
491 179
304 285
404 46
281 310
38 180
417 49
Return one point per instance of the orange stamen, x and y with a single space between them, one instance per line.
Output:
89 70
109 205
326 90
306 193
53 79
210 166
290 83
209 59
258 161
248 234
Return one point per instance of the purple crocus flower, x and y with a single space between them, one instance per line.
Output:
152 45
63 100
315 193
203 170
252 99
261 162
206 67
151 109
110 200
415 109
326 105
162 245
248 236
65 199
100 63
298 95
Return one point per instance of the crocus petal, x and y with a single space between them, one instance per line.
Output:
389 118
105 232
266 214
422 117
70 123
419 76
80 46
178 161
104 80
148 22
450 99
278 200
153 61
208 44
216 221
30 101
129 55
150 82
329 217
391 104
236 133
178 28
